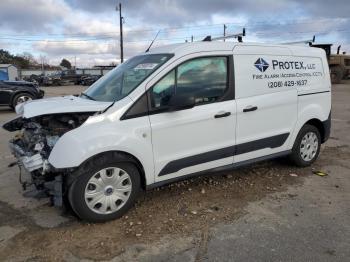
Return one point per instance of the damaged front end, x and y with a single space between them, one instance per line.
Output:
32 145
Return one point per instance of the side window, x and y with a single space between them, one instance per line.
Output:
204 78
163 90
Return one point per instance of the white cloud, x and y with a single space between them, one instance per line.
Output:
87 53
71 47
31 15
83 23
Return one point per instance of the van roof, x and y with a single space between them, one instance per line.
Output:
203 46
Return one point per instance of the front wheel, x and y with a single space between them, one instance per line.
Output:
21 98
104 190
306 146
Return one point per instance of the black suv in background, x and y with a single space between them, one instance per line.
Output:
13 93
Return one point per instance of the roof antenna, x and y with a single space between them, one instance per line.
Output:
154 39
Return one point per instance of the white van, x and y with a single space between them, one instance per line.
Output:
174 112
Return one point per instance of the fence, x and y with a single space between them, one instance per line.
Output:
83 71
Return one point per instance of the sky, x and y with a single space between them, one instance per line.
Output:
86 32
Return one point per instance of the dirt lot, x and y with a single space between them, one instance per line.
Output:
268 212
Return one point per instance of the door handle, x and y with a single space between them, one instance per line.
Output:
220 115
250 108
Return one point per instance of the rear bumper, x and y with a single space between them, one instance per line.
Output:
326 128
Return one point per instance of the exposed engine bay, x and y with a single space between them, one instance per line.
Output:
32 145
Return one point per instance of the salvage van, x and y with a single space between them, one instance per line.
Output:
176 111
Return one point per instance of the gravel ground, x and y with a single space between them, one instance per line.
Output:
271 211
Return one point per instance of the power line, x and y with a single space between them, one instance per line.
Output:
262 33
59 41
257 33
180 28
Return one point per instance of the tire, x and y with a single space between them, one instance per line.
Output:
97 176
20 98
304 151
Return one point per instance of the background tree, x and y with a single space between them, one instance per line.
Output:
5 57
25 60
65 63
30 58
21 61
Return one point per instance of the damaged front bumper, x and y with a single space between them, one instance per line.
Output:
32 146
30 163
48 182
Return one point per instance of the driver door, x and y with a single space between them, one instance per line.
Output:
191 140
5 93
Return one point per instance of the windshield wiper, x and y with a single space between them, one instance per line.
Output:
108 107
91 98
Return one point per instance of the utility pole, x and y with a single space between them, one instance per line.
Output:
224 31
42 63
121 32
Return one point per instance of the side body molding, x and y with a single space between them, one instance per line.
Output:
270 142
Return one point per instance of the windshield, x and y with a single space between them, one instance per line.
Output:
123 79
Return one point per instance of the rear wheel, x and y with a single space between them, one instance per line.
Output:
306 146
104 190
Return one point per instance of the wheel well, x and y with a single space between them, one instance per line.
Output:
319 125
19 93
123 157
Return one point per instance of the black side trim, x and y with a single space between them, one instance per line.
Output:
270 142
177 165
314 93
138 109
327 128
219 170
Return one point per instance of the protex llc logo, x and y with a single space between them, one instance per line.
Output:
261 65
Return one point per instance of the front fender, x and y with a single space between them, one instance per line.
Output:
132 136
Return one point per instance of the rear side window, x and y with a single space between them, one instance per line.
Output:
204 78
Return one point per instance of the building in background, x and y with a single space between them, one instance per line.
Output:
8 72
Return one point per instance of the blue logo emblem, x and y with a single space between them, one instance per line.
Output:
261 65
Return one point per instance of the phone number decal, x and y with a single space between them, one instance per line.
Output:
289 83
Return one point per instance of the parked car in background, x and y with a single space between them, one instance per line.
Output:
13 93
61 78
88 80
70 77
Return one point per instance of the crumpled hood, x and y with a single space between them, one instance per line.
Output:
66 104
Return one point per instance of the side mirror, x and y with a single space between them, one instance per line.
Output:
181 102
